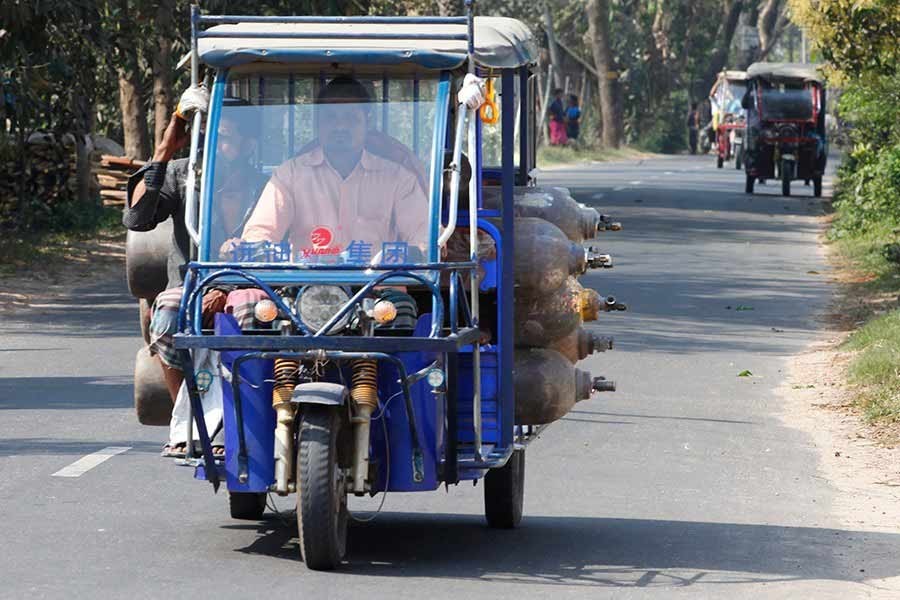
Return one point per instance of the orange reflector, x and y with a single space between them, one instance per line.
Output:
384 311
265 311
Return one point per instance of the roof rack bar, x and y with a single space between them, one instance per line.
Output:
330 35
235 19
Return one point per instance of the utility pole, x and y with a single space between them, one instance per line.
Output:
803 57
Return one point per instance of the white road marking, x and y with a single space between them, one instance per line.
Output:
638 182
618 188
597 197
669 173
88 462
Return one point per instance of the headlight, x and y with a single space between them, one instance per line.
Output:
316 304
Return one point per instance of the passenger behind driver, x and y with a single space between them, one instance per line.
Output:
337 197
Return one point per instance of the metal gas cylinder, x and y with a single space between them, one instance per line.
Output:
544 256
543 318
553 204
581 343
547 386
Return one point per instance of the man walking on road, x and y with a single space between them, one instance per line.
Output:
693 124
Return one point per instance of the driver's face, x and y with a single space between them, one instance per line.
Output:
342 127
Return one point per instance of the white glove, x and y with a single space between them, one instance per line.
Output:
194 99
472 92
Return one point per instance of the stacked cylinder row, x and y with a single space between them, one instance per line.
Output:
551 306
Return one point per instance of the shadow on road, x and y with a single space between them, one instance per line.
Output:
58 447
68 393
596 551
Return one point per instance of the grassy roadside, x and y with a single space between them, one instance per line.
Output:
550 156
873 311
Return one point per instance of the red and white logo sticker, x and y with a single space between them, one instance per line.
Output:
321 237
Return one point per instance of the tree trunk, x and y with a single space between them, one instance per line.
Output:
597 12
730 19
163 99
134 116
551 45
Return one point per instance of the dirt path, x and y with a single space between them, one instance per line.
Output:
54 273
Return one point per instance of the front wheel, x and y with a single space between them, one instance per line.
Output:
817 186
738 163
322 515
787 171
504 493
719 162
247 506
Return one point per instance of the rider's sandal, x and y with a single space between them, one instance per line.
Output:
176 451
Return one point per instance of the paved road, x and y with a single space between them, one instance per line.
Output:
683 484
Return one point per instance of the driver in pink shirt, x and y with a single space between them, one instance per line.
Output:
339 199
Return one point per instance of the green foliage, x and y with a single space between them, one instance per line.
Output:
869 189
664 131
875 367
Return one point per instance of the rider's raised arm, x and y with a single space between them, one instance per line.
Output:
153 195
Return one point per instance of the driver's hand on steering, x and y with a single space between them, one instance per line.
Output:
229 246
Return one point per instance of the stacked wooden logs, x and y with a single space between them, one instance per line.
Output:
112 173
48 174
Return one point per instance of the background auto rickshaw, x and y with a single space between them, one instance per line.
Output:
728 116
385 364
786 139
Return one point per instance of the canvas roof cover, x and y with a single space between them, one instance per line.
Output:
769 71
500 42
733 75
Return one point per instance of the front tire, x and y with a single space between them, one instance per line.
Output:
719 162
504 493
322 514
817 186
738 163
247 506
749 183
787 170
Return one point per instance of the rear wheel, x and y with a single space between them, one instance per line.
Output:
738 163
719 162
787 170
504 493
748 184
322 515
248 506
817 186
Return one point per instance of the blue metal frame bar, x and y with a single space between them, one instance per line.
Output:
236 19
437 303
507 265
439 140
209 163
321 35
198 306
211 471
449 344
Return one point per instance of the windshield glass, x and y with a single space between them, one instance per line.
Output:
731 96
322 170
786 101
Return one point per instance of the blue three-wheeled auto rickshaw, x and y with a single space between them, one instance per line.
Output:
417 316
